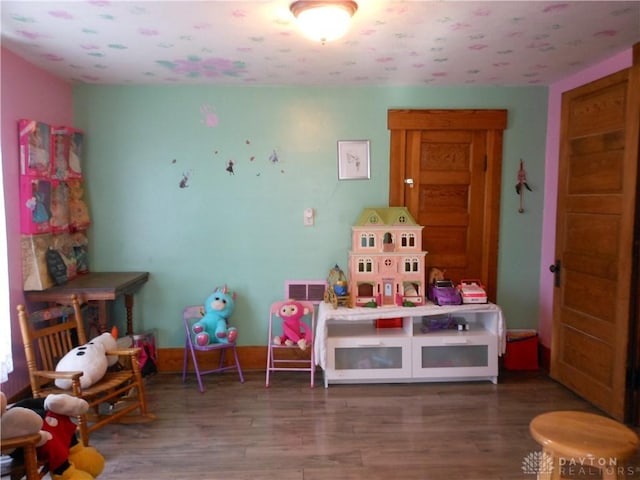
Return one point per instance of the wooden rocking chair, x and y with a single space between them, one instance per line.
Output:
30 467
48 335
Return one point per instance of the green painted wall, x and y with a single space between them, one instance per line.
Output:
246 229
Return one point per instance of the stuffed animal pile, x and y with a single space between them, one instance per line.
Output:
294 330
67 457
214 327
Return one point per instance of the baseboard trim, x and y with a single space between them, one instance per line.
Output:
255 358
170 360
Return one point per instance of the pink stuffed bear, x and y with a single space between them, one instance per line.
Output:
294 330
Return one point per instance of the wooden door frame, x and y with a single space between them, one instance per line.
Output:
632 394
402 121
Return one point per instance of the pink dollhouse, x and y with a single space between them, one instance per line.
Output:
386 263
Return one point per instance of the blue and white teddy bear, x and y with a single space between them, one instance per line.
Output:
213 327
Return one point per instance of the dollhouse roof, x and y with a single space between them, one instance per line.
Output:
385 216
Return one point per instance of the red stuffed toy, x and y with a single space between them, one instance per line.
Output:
294 329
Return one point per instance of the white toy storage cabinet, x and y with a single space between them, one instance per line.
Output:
350 348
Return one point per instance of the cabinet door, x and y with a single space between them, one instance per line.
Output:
368 358
456 355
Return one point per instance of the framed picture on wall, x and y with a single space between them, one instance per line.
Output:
353 160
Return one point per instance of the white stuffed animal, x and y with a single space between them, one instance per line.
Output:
90 359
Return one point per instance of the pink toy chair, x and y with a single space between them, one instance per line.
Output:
282 357
190 315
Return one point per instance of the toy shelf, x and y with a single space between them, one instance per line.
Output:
350 348
367 329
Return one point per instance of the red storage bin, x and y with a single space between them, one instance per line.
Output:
522 350
389 323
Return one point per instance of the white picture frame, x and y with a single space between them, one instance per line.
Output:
354 161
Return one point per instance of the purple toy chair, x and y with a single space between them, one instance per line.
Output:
278 358
190 315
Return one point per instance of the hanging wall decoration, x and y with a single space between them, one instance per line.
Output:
522 185
353 160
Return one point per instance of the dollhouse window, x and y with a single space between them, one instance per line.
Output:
411 265
367 240
408 240
402 219
365 265
388 238
387 262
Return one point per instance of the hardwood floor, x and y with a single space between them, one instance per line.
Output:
291 432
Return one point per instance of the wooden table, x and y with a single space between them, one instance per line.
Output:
98 287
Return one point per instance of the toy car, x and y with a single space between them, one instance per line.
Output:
444 292
472 291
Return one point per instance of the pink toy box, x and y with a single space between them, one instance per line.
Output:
79 218
35 205
59 221
66 145
35 148
52 206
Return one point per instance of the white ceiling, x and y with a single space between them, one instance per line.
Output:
257 42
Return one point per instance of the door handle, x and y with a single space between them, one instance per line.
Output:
555 269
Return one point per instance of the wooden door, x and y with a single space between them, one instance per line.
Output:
452 160
597 200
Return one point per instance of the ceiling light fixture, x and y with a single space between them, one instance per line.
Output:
323 21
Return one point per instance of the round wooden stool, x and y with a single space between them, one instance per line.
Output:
574 442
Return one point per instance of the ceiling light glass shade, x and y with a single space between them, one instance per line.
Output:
323 21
